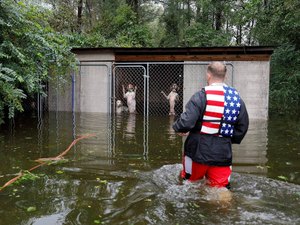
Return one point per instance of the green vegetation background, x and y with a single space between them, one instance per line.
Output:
36 37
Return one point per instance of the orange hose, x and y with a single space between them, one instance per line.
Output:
42 160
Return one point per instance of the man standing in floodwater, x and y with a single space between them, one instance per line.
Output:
214 118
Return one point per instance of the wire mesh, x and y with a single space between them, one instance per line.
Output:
129 88
160 88
165 89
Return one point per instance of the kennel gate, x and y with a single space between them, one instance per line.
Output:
151 78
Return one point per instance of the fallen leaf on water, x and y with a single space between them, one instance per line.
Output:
103 181
31 209
197 206
283 177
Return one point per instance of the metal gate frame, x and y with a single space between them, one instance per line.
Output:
145 110
109 76
147 80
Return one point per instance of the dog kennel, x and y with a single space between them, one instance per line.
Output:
97 83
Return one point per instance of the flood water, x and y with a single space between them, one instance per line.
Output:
128 173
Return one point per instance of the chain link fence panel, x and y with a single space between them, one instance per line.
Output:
165 89
129 77
95 89
161 88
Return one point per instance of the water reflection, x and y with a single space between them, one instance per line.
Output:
108 180
170 131
129 133
98 124
124 133
250 155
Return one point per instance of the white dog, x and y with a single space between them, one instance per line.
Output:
120 107
130 97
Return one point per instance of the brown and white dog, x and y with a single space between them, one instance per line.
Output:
173 97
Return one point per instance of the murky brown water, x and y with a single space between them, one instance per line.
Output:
128 174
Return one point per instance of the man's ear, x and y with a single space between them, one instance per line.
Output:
208 75
208 78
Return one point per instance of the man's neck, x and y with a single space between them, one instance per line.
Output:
216 82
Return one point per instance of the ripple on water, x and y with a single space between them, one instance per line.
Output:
252 200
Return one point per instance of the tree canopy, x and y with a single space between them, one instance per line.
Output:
36 37
29 50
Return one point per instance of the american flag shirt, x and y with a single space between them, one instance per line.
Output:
222 109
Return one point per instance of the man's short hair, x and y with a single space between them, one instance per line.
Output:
217 69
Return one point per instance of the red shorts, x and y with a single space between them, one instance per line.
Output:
217 176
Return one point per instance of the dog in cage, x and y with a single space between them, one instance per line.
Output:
129 95
120 107
172 97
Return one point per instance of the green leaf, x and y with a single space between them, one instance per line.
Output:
31 209
283 178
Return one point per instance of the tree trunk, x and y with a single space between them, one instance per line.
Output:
218 19
189 13
79 16
88 6
218 14
239 35
134 5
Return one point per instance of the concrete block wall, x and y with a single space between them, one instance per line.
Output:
91 93
253 149
252 81
250 78
92 89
